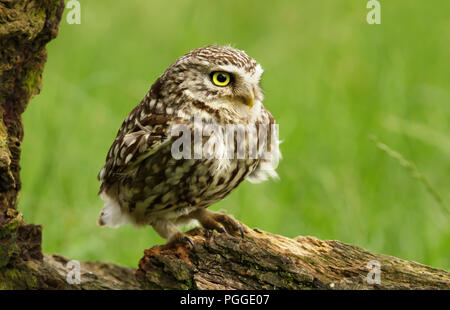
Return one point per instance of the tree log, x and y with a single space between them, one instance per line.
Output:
26 26
268 261
260 260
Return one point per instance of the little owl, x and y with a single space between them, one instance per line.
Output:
143 183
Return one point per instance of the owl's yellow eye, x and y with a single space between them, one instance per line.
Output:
221 78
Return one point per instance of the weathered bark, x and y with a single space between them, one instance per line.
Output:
267 261
25 28
259 261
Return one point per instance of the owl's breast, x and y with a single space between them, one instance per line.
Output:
164 186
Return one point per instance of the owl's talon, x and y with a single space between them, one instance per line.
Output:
241 230
229 223
179 239
222 230
208 232
220 222
190 241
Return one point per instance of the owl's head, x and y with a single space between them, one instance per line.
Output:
221 77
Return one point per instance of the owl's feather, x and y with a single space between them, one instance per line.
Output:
140 135
143 183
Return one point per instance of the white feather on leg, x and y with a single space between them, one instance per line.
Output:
111 215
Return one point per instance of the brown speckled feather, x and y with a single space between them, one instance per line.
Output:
143 183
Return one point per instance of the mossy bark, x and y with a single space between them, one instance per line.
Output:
26 26
259 261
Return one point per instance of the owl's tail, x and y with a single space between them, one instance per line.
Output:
111 215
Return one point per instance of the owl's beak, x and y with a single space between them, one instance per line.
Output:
251 100
247 98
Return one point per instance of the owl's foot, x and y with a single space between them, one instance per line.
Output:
169 231
176 240
218 221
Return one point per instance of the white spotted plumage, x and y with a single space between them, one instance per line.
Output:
144 184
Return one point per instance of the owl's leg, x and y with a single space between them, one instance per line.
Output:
217 221
169 231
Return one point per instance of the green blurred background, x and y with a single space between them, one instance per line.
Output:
331 80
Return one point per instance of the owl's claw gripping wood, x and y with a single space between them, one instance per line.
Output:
241 230
208 232
178 239
217 221
172 234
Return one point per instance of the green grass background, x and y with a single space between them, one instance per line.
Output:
331 80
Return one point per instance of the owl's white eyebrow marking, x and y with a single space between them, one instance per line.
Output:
250 77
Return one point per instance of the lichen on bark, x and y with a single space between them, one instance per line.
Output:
26 26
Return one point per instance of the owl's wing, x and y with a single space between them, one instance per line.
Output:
141 135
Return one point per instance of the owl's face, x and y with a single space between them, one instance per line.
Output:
223 78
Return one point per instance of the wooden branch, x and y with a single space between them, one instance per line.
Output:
267 261
26 26
259 261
